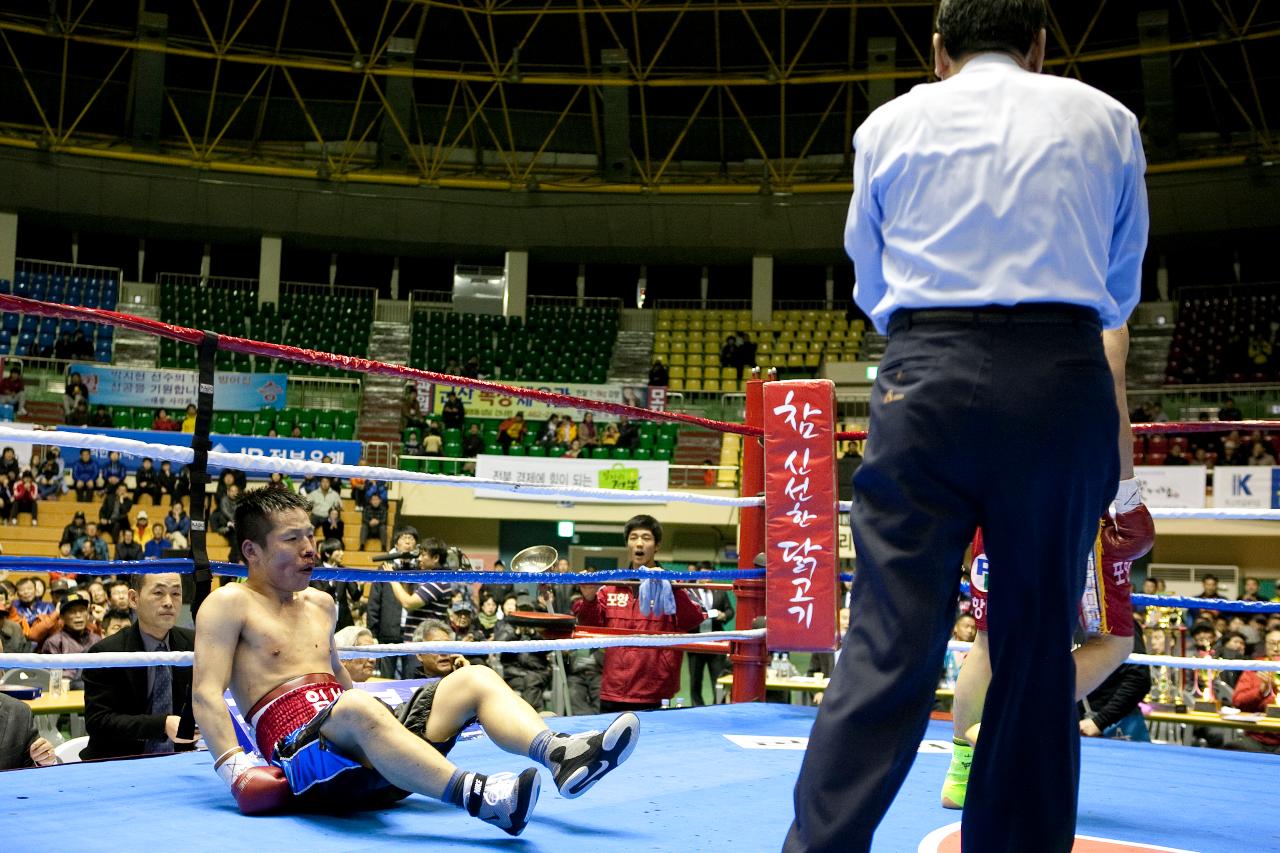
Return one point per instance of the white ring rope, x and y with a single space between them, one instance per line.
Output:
105 660
1215 664
1209 513
276 465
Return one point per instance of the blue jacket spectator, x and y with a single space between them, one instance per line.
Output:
180 523
86 470
375 487
114 471
86 476
154 549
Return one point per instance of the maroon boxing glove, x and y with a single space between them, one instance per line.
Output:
258 787
1129 535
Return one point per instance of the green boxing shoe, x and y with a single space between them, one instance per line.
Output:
957 781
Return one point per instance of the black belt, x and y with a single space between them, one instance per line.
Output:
1036 312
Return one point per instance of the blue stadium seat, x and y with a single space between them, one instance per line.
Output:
106 333
87 328
5 285
30 323
11 322
48 325
46 340
68 327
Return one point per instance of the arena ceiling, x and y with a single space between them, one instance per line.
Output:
733 96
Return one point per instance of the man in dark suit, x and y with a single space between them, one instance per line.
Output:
136 710
20 743
719 608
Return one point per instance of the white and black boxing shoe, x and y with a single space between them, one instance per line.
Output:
506 800
579 761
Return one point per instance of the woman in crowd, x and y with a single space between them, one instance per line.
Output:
587 430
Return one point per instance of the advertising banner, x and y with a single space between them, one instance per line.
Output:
487 404
175 389
302 449
801 547
1247 486
1176 486
625 474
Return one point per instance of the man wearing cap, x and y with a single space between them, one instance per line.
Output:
465 629
77 634
142 528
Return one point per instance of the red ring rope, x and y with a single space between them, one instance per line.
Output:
350 362
247 346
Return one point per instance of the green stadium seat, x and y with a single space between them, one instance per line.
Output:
410 464
344 432
516 450
641 453
662 453
142 418
620 453
223 423
537 450
600 452
122 418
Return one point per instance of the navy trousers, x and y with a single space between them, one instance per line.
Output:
1004 418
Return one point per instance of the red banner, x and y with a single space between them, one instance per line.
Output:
803 558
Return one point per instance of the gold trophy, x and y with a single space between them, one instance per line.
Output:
1206 702
1160 625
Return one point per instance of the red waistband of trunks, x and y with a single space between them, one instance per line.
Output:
289 706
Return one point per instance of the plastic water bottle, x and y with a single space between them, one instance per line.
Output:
679 701
55 683
666 705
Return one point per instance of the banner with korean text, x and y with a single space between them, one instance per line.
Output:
298 449
487 404
1176 486
174 389
801 547
626 474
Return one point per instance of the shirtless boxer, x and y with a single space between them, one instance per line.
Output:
1106 608
320 742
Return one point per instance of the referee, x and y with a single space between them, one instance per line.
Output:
998 224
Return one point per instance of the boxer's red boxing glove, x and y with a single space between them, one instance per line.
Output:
1129 535
258 788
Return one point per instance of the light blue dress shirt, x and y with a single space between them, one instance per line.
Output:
998 186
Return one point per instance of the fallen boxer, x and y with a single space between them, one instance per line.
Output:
271 640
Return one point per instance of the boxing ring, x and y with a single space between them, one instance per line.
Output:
712 778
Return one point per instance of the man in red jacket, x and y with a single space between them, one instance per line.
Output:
1254 692
639 679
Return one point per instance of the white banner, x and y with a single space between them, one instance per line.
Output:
488 404
1253 486
625 474
1174 486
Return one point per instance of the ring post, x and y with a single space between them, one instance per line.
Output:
749 656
